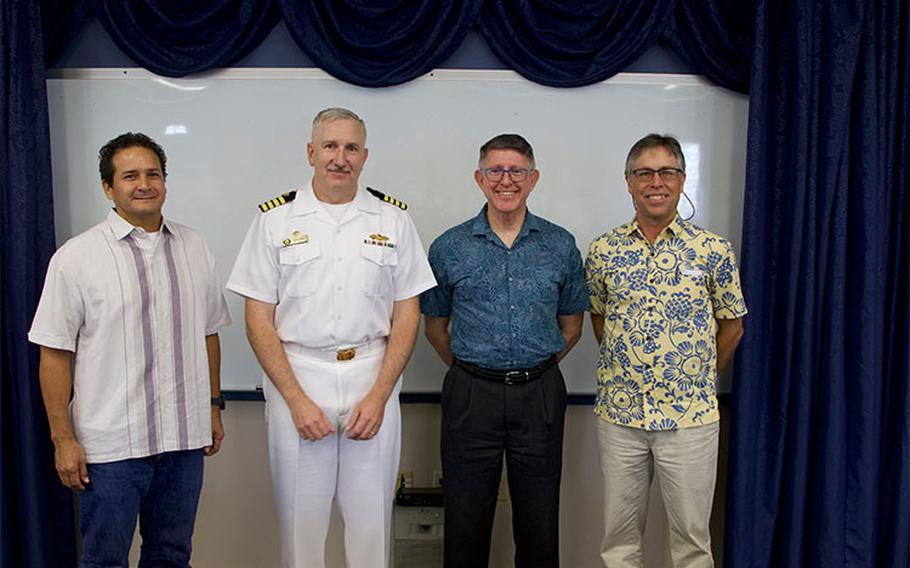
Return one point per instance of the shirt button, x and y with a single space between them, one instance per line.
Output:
510 278
511 307
513 335
339 258
339 288
338 317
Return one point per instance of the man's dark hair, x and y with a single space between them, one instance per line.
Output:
507 142
122 142
665 141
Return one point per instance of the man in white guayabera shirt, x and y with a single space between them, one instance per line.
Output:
128 325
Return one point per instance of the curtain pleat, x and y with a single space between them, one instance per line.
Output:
819 442
571 44
378 43
178 37
36 511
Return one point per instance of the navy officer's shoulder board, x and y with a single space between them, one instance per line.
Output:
278 201
388 199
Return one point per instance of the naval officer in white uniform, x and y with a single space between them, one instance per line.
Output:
331 275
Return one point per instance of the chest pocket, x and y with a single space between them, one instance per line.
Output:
378 264
300 268
694 279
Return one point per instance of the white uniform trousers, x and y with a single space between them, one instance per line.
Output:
359 474
686 464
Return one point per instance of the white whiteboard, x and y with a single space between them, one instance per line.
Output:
237 137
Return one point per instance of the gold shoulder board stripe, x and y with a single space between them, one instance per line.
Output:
388 199
278 201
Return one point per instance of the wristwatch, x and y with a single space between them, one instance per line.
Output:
218 401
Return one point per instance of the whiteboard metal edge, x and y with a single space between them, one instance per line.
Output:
668 79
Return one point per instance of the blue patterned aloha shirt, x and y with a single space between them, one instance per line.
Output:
657 365
504 302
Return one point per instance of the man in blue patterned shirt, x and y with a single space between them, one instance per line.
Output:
667 311
512 287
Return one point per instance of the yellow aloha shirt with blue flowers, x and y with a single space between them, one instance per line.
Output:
657 366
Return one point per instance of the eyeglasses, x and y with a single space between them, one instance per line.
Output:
515 174
666 174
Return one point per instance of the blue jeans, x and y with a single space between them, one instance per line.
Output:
161 490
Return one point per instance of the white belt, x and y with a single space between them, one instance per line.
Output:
338 353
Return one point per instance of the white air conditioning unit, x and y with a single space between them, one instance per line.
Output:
417 536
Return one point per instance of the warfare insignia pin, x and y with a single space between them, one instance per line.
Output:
379 240
296 238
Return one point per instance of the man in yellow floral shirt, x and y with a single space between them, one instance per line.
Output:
666 308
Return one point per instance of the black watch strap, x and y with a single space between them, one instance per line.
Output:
218 401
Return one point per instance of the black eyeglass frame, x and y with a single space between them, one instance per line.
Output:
666 174
498 172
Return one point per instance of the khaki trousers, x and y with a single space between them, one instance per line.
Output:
685 461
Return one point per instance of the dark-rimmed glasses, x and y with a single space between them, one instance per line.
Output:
515 174
645 175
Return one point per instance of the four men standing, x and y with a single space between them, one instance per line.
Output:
331 276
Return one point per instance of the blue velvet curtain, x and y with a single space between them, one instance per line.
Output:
175 37
61 20
36 512
378 43
714 37
570 44
820 444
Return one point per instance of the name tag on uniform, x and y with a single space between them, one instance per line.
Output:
379 240
691 272
296 238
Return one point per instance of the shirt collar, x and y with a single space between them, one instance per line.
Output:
481 225
306 203
121 228
675 228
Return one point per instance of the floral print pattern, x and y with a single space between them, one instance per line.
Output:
657 366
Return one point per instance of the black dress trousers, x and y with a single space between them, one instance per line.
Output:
481 421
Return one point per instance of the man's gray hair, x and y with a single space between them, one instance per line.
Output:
338 113
665 141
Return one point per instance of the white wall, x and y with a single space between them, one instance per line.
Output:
236 526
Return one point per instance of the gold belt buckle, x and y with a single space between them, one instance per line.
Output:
345 354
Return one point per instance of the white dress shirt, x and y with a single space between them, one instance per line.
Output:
137 323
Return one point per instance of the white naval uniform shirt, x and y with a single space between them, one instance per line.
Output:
137 323
334 283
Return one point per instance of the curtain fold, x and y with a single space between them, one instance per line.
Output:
178 37
378 43
819 442
36 511
714 37
571 44
62 20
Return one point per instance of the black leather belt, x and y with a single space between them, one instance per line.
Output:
509 377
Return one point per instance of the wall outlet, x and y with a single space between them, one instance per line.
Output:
437 478
406 478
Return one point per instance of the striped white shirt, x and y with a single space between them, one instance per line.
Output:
137 323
